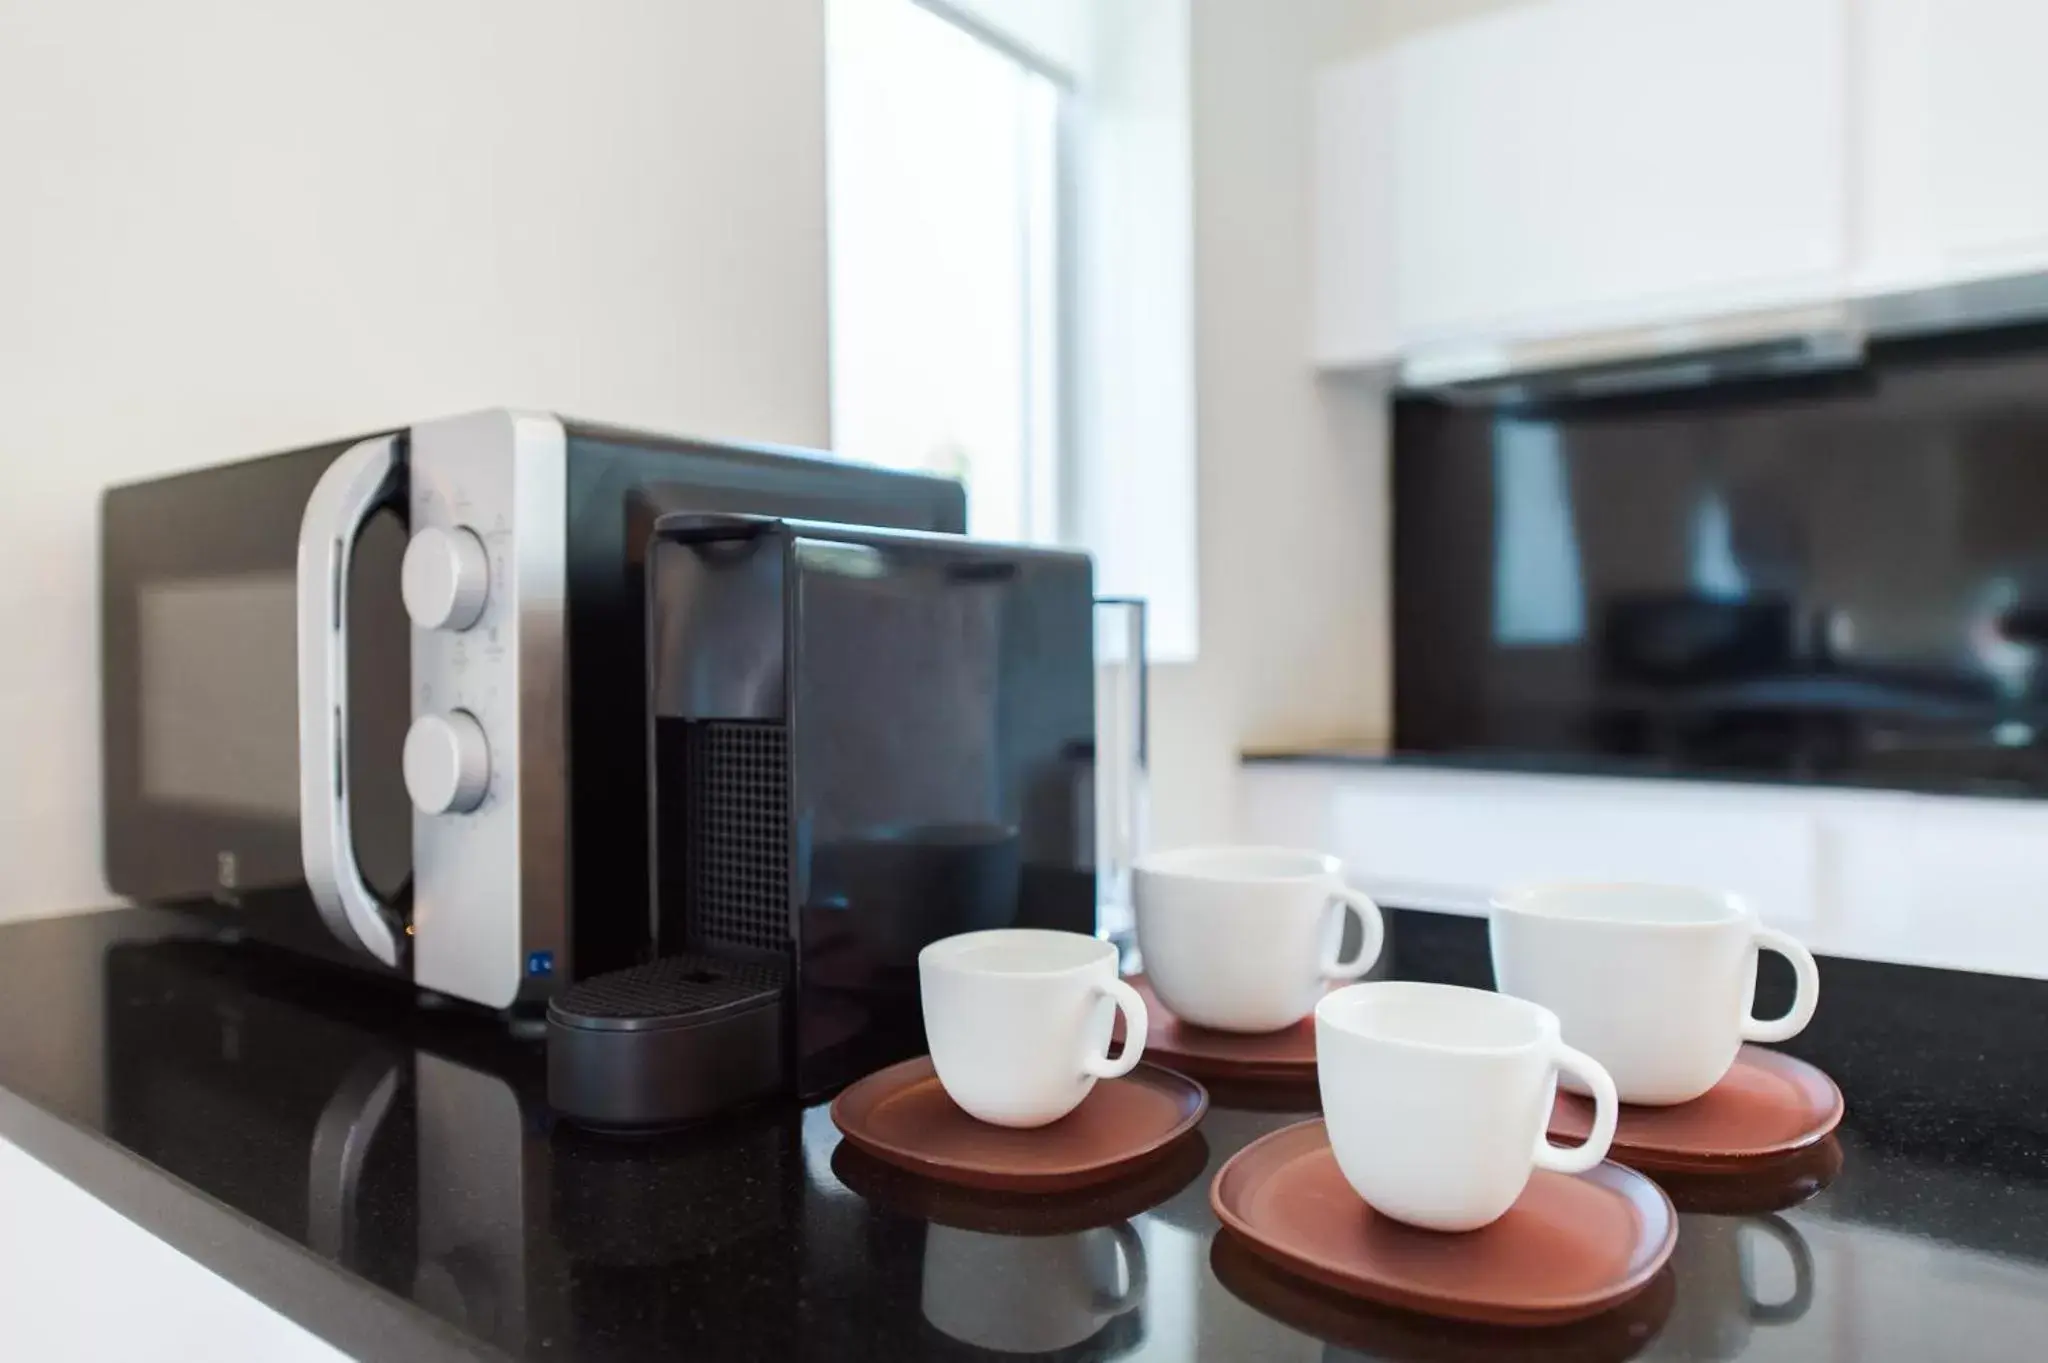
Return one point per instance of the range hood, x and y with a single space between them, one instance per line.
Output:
1642 359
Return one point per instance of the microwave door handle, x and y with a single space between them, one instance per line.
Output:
348 493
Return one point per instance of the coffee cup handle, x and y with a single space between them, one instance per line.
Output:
1804 999
1347 900
1577 1159
1133 1008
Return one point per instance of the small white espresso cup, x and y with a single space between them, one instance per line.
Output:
1017 1023
1656 982
1246 939
1437 1099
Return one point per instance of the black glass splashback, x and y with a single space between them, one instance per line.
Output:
1841 579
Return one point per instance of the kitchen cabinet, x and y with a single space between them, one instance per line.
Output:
1932 880
1584 164
1579 165
82 1281
1989 110
1949 115
1354 228
1605 176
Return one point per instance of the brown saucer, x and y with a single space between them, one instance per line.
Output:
1019 1213
901 1115
1768 1105
1382 1332
1570 1247
1300 1096
1754 1188
1201 1053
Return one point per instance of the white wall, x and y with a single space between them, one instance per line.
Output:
228 226
1292 511
1380 23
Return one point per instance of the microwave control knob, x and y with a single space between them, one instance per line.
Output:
447 763
445 579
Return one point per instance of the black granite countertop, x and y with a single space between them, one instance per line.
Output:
387 1175
1513 762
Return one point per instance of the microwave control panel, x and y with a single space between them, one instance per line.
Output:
483 582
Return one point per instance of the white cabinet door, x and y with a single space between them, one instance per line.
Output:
1951 127
1578 164
1449 839
1979 890
1354 262
1989 133
81 1282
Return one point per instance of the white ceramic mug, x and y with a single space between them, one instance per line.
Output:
1438 1099
1246 939
1031 1294
1017 1023
1656 982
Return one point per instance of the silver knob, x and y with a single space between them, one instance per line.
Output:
447 763
446 578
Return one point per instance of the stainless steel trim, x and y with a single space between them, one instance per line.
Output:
490 886
1964 306
352 488
541 491
1643 358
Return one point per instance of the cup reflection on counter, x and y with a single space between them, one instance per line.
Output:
1720 1294
1033 1294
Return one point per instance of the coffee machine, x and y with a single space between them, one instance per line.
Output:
861 741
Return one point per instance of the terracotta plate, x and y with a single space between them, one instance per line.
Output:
1754 1187
1286 1055
1769 1105
1380 1332
1299 1096
901 1115
1023 1213
1570 1247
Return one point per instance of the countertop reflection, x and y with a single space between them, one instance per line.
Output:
409 1148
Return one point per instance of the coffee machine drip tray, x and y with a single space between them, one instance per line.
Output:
662 1045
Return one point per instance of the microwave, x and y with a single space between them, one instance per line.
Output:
383 700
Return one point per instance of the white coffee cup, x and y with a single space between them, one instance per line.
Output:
1246 939
1437 1099
1656 982
1017 1023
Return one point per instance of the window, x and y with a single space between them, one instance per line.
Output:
1010 211
945 218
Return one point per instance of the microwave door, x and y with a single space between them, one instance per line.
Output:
353 488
